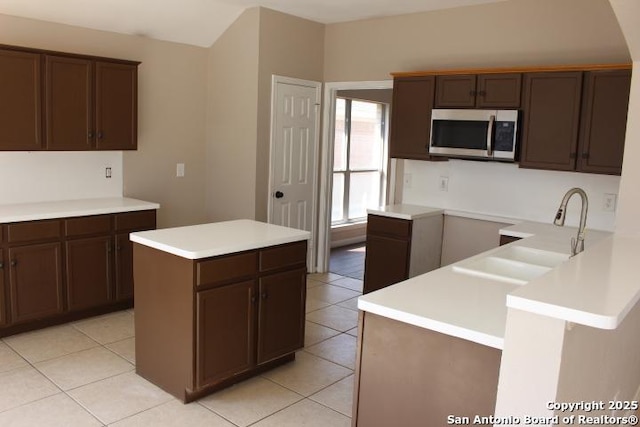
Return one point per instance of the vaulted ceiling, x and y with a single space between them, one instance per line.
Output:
201 22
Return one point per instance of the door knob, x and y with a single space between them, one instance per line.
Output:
279 194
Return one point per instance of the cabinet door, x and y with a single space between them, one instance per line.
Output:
604 121
551 117
225 332
20 101
88 272
499 90
68 103
456 91
3 307
116 106
386 262
124 267
281 314
35 281
411 117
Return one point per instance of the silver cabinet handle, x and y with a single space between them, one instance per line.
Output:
492 120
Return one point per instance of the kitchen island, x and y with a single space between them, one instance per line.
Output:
435 345
217 303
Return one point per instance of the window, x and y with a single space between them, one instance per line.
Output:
359 159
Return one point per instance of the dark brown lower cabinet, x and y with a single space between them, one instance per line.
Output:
202 325
35 281
56 270
507 239
123 267
386 262
3 307
226 319
281 309
88 272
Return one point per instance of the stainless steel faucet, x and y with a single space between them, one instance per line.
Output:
577 244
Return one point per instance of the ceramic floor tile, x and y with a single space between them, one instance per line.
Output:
24 385
334 317
173 414
340 349
250 401
83 367
9 359
313 283
49 343
306 413
119 397
323 277
338 396
56 411
315 333
331 294
125 348
314 304
353 331
108 328
308 374
351 304
349 283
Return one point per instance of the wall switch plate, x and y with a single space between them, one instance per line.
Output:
180 170
609 204
107 172
443 184
407 180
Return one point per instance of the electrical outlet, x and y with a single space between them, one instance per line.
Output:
107 172
407 180
443 184
180 170
609 204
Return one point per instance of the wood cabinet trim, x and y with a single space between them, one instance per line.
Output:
531 69
67 54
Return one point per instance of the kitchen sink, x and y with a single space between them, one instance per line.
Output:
516 264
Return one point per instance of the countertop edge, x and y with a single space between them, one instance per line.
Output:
433 325
55 212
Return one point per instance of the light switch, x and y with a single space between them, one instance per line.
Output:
180 170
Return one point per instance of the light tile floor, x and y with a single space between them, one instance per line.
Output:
83 374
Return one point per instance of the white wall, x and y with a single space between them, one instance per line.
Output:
44 176
503 189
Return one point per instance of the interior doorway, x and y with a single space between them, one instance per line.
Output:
356 173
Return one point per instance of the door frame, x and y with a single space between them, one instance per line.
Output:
326 175
275 81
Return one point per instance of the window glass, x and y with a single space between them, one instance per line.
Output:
365 146
364 192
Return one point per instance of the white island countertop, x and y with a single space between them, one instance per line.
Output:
471 307
71 208
403 211
218 238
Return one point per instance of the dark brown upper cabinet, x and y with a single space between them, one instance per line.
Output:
68 103
59 101
116 106
411 117
605 103
551 115
499 90
20 100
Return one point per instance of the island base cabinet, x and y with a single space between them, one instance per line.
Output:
281 314
414 377
3 307
225 332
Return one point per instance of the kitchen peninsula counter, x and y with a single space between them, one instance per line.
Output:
217 303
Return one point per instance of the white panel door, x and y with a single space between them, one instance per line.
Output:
294 146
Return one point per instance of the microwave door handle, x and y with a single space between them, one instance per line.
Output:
492 120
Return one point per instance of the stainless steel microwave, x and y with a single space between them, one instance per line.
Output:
479 134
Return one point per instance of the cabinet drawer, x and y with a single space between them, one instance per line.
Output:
227 267
139 220
283 256
99 224
389 226
33 230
